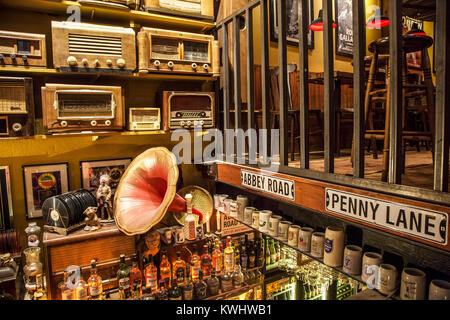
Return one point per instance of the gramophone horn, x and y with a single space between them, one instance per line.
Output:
147 190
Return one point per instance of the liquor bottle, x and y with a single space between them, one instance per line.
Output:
206 261
95 283
195 263
273 254
190 224
244 257
217 258
40 293
135 278
67 293
163 293
200 287
165 269
278 250
81 289
228 257
237 253
123 277
238 277
246 244
213 284
175 291
252 256
188 288
260 251
259 276
151 275
179 270
227 282
268 257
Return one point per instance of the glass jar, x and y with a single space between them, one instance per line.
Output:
32 268
33 231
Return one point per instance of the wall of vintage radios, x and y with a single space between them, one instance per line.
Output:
91 48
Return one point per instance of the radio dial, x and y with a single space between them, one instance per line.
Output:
109 62
85 61
93 123
170 64
120 62
157 63
63 123
72 61
194 66
178 115
17 127
96 62
108 122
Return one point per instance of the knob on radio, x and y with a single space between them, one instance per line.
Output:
206 66
109 62
17 127
170 64
84 61
72 61
194 66
120 62
157 63
63 123
96 63
93 123
108 123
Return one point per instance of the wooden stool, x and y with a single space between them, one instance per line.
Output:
380 50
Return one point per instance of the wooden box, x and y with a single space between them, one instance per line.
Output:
79 248
167 51
199 9
114 4
89 47
71 107
22 49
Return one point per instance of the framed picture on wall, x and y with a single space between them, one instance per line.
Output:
413 59
42 182
6 208
292 28
91 171
344 29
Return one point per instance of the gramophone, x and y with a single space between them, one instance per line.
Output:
147 190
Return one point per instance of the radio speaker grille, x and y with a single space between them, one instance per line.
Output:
12 98
87 44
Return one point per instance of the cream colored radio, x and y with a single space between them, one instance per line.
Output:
144 119
93 48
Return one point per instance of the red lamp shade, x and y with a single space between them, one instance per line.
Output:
377 21
317 25
415 31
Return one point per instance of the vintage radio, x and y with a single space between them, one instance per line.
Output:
93 48
188 110
177 52
144 119
203 9
67 107
115 4
16 107
22 49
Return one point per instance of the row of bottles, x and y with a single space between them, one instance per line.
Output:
33 272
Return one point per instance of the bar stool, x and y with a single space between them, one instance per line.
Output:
380 51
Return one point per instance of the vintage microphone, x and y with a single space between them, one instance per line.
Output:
147 190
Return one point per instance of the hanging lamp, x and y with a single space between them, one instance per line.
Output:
317 25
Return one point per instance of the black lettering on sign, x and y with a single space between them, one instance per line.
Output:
363 208
335 198
253 180
388 211
374 210
352 205
343 203
249 179
269 185
286 189
429 225
401 219
415 222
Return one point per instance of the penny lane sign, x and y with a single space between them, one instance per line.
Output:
418 222
280 187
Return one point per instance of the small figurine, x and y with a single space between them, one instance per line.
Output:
91 220
104 194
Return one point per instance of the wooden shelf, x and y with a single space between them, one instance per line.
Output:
131 16
135 76
339 269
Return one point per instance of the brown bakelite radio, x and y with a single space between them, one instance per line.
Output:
114 4
141 119
177 52
22 49
16 107
82 107
93 48
191 8
187 110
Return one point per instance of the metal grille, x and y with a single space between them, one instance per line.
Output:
86 44
12 99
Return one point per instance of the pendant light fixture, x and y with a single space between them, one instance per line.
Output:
415 31
317 25
377 21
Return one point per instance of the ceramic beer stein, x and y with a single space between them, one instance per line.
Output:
334 246
317 244
439 290
304 238
352 259
413 284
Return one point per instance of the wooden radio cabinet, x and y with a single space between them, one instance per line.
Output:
79 248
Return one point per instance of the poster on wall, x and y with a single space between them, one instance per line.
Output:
91 171
42 182
292 28
413 59
344 29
